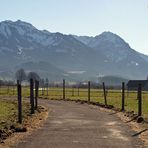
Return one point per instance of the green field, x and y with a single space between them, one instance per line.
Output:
9 113
113 96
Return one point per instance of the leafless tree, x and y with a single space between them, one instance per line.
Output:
34 76
20 75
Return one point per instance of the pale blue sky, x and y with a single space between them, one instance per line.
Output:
127 18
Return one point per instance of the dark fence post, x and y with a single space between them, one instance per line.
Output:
88 91
104 90
8 89
19 92
36 93
47 88
123 95
63 89
32 96
139 100
42 90
13 88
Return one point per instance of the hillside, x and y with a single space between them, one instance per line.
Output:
57 56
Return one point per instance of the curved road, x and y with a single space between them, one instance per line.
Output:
75 125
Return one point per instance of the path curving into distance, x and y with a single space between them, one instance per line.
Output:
75 125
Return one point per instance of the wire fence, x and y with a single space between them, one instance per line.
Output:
88 92
13 96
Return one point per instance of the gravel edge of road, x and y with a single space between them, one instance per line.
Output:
31 123
140 128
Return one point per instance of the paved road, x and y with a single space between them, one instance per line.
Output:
75 125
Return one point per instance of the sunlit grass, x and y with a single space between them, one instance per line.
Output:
7 109
113 96
9 112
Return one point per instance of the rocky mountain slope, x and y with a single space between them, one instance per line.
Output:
57 56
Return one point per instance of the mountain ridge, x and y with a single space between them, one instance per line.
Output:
104 54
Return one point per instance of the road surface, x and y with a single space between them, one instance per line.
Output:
75 125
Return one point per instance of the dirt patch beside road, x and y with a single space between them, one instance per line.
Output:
30 123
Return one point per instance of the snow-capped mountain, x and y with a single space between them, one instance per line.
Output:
119 56
23 45
109 44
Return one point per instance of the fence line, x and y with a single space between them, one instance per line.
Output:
123 96
139 100
120 98
18 91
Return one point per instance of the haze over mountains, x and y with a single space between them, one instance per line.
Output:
57 56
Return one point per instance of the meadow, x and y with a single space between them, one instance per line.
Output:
96 95
9 112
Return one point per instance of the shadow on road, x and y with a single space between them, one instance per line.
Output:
139 133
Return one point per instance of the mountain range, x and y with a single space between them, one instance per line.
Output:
57 56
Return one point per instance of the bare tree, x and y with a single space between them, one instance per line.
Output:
20 75
34 76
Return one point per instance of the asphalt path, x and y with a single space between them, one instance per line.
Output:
75 125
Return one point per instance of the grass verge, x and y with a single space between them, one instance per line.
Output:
9 121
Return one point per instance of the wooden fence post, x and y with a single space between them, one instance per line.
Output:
63 89
139 100
104 90
47 88
32 96
36 93
8 88
19 92
13 88
42 90
88 91
123 95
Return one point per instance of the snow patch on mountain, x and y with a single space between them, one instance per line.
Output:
20 51
76 72
134 63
